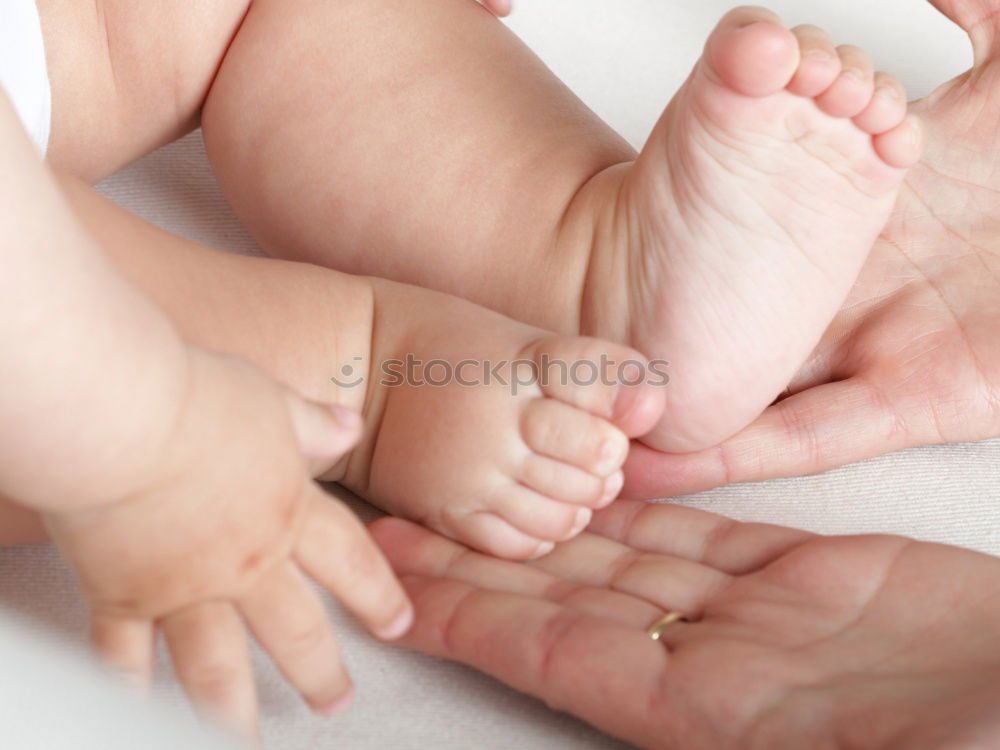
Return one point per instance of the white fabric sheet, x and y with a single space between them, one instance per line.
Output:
625 59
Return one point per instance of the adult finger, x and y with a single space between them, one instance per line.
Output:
212 660
336 550
608 674
811 432
667 582
978 19
289 621
413 550
499 8
721 543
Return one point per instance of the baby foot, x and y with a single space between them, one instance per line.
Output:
513 450
747 218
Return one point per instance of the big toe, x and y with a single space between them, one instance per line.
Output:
752 52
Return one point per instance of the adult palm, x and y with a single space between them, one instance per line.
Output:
796 640
913 358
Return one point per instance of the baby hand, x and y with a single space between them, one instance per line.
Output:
228 533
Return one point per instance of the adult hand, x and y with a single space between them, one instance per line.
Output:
912 358
499 8
797 640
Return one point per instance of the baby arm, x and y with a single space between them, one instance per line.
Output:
178 483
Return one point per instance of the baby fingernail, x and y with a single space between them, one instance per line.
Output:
339 706
346 417
398 627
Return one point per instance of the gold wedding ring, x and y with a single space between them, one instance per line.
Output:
658 628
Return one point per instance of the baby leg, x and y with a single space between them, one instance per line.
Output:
432 147
127 76
465 428
421 142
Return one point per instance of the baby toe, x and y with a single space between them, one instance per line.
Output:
561 481
887 107
902 146
488 532
852 90
538 516
559 431
752 52
607 380
819 65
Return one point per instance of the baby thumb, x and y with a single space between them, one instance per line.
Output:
325 432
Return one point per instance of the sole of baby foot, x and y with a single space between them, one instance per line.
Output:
747 218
